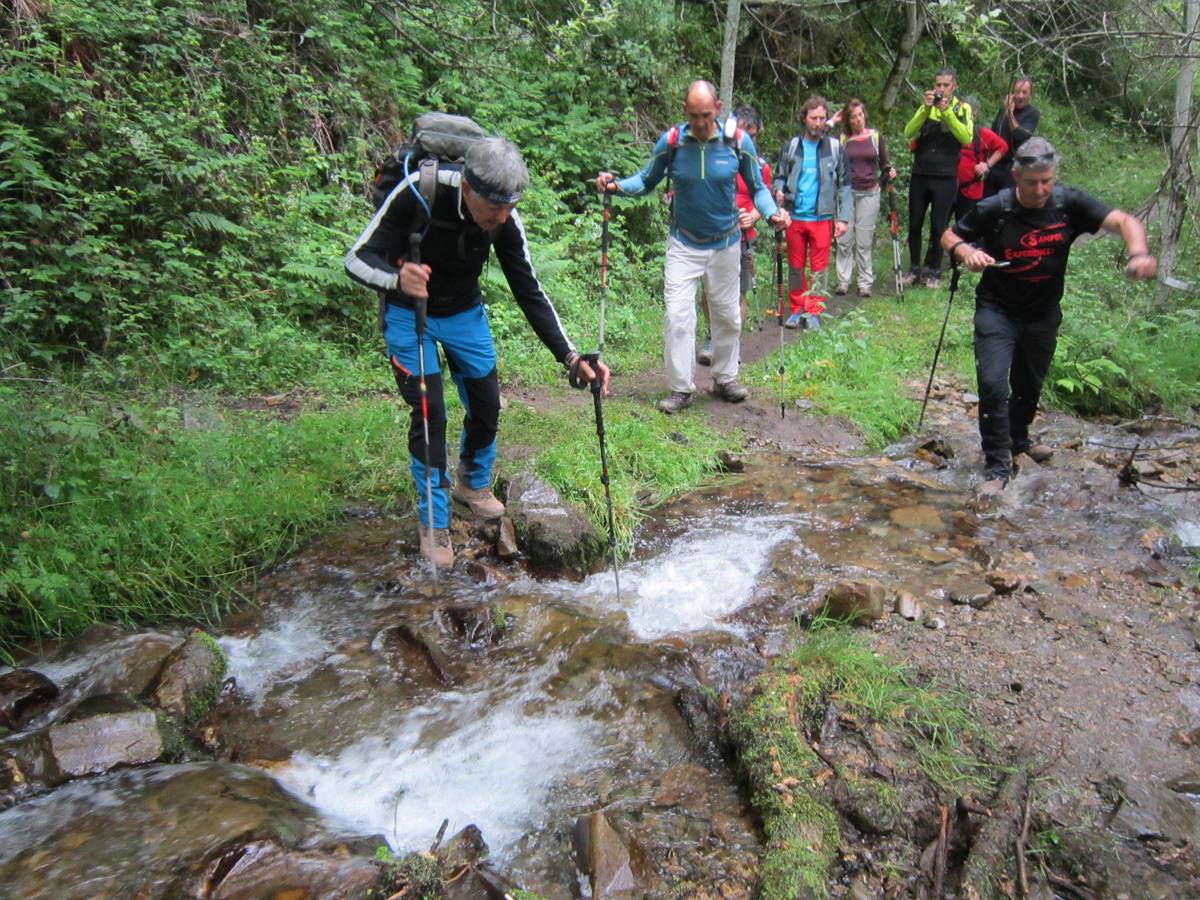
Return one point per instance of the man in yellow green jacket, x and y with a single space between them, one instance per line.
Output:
937 132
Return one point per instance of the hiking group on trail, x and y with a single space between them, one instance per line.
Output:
435 225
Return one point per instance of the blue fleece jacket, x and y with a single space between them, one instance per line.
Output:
704 179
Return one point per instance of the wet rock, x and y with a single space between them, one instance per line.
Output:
602 856
489 576
935 623
415 652
23 694
728 462
466 848
117 662
920 517
264 868
976 596
1154 812
861 602
1003 582
26 767
506 540
701 719
477 624
681 785
1186 784
553 534
191 677
103 733
152 831
907 606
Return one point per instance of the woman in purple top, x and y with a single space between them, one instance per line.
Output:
866 156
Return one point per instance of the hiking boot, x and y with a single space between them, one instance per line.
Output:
931 281
443 552
481 501
842 290
998 469
676 401
729 391
909 278
864 291
812 322
704 355
1039 453
795 320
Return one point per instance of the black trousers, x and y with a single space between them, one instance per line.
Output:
935 195
1012 357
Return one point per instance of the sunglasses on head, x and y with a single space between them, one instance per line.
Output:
1034 160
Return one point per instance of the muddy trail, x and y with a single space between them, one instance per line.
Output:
555 734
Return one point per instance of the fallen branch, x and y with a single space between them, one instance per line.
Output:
943 843
1068 885
986 862
1022 871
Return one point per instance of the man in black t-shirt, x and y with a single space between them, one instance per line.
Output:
1020 239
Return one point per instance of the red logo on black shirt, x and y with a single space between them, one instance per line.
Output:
1035 246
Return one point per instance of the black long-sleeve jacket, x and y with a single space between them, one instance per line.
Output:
455 249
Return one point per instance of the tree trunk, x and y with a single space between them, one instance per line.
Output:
1180 180
733 14
914 24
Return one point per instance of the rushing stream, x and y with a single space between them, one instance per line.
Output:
382 709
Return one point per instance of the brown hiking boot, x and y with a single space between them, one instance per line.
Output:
481 501
729 391
674 402
443 552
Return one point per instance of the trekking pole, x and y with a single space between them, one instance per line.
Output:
894 224
593 359
954 272
419 308
779 311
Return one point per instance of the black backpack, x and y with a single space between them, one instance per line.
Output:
436 137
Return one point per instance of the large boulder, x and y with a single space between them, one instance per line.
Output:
553 534
190 680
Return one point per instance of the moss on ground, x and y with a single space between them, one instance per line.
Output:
777 762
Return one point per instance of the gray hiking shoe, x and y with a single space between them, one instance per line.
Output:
729 391
704 354
674 402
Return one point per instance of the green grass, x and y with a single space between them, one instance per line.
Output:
651 456
117 512
856 366
935 722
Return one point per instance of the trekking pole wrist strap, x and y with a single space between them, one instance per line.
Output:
954 247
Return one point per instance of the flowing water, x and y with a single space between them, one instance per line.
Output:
517 708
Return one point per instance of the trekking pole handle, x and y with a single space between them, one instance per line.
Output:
419 304
573 376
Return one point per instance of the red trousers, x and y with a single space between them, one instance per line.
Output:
808 242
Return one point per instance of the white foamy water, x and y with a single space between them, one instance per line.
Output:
276 654
704 576
1189 533
469 758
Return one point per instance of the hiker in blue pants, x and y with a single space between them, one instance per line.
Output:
473 212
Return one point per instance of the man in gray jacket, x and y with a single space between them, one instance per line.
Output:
813 184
